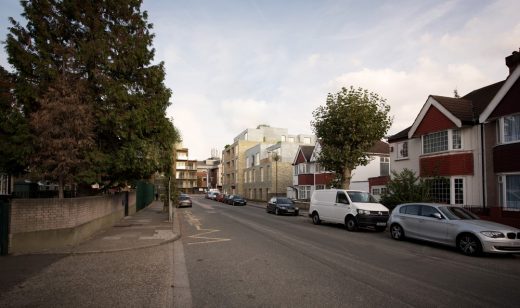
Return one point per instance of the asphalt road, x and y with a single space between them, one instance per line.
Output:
244 257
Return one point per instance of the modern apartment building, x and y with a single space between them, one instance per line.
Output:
247 164
185 171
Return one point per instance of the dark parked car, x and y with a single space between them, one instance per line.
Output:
279 206
236 200
184 200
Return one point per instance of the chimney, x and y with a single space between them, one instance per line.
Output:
513 61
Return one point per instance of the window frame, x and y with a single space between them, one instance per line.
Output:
501 129
400 146
450 144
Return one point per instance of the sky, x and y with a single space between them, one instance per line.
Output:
233 65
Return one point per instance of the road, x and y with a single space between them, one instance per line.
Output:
244 257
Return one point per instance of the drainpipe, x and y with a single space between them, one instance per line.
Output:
484 180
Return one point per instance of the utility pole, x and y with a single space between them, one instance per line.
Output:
276 159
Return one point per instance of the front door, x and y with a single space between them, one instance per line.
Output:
4 225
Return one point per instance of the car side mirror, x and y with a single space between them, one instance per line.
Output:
436 215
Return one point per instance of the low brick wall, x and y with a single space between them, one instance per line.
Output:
37 225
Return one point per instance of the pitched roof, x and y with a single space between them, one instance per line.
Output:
459 107
307 151
483 96
400 135
380 147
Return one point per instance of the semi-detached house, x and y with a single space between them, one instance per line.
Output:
468 148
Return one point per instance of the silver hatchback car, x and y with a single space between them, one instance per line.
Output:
453 226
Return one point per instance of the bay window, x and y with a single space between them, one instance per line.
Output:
509 191
442 141
510 128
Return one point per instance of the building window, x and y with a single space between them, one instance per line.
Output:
320 187
303 168
510 128
283 138
442 141
306 140
436 142
375 191
458 185
456 139
4 184
440 190
290 139
402 150
245 136
305 192
384 165
295 169
261 174
257 159
509 186
384 190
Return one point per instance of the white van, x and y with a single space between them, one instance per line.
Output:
353 208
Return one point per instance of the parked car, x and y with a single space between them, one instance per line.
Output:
280 205
184 201
236 200
353 208
219 197
225 199
211 195
453 226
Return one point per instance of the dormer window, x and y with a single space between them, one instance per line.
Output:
442 141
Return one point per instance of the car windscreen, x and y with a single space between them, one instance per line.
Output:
457 213
361 196
184 198
284 201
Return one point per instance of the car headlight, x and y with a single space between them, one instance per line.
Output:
493 234
363 212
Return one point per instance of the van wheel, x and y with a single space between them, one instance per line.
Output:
276 211
351 224
316 219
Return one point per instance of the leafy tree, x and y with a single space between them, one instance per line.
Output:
63 128
15 137
405 187
104 48
349 124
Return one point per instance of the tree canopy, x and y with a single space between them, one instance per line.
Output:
347 126
93 59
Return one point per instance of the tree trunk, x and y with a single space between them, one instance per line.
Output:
347 175
60 187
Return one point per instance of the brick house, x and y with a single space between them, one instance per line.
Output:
453 144
309 176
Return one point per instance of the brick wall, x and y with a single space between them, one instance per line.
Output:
39 224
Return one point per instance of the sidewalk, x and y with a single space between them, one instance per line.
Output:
146 228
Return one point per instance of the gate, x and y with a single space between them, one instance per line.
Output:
144 194
4 225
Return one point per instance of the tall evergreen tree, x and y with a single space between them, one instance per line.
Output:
108 46
15 137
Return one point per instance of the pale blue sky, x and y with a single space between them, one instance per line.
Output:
235 64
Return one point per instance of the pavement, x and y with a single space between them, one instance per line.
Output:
146 228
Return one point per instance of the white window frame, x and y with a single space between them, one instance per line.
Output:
304 192
502 187
501 123
450 141
399 149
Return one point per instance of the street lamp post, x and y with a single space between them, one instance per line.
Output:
276 159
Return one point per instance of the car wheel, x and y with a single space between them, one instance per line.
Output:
276 211
351 224
316 219
469 245
397 232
